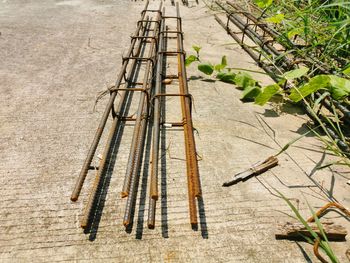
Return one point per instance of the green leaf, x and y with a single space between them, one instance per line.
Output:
295 31
296 73
224 61
339 87
339 82
263 3
298 215
250 92
190 59
228 77
277 19
315 83
346 71
243 80
266 94
337 93
221 66
196 48
206 68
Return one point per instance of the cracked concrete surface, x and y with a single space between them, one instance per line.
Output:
55 57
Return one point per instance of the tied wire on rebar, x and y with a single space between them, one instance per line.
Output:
276 62
150 37
185 100
134 162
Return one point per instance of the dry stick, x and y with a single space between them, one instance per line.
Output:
93 147
139 134
115 125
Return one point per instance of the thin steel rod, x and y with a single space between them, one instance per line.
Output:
134 142
247 49
288 64
156 121
187 99
115 126
151 221
262 26
96 140
191 158
139 132
342 145
156 131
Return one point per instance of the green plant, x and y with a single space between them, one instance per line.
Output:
250 87
302 87
322 239
321 28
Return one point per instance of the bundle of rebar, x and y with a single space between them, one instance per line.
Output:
149 37
275 58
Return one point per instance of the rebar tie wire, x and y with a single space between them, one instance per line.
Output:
80 181
137 43
286 66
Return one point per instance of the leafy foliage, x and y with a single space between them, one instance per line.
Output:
206 68
263 3
250 92
190 59
296 73
267 93
338 87
228 77
324 243
244 80
276 19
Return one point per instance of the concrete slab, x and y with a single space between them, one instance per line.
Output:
55 57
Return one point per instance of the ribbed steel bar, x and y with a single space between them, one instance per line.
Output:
156 118
134 142
288 66
247 49
191 154
139 130
262 43
156 130
187 99
274 34
96 140
115 126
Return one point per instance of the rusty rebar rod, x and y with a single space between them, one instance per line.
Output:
194 189
131 177
271 51
80 181
274 71
156 118
115 126
134 143
156 130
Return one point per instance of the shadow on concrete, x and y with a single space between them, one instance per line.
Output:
99 202
314 183
202 218
164 193
143 193
286 107
106 175
305 255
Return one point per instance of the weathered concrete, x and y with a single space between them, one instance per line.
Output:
55 57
